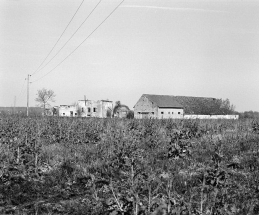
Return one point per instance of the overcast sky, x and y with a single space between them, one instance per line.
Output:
168 47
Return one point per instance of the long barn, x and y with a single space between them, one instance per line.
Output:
166 106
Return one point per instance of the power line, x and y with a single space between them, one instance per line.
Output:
59 38
71 36
82 41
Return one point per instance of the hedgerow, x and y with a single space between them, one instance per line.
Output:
51 165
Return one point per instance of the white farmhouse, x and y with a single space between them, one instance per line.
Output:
87 108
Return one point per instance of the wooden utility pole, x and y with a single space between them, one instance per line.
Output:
85 99
28 83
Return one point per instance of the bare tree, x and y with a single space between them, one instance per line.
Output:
44 97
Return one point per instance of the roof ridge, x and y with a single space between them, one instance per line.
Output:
181 96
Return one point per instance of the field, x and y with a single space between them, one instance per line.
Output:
51 165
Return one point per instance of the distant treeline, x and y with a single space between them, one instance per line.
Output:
22 111
249 115
205 106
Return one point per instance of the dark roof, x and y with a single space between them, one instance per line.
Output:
199 105
190 104
106 100
122 106
119 108
164 101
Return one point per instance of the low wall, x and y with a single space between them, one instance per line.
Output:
211 116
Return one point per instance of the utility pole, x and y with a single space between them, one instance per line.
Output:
28 83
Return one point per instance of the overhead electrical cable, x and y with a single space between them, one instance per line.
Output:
82 41
71 36
58 38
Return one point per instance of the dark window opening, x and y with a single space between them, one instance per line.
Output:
162 112
63 114
82 109
89 110
94 109
168 112
75 114
179 112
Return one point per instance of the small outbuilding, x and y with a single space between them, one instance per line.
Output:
121 111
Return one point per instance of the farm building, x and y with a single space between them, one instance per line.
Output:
67 110
87 108
121 111
157 106
165 106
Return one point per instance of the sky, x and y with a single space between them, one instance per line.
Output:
199 48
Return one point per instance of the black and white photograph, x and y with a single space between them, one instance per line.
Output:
129 107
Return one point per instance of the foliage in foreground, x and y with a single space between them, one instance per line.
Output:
114 166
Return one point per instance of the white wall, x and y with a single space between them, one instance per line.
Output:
65 110
211 116
174 113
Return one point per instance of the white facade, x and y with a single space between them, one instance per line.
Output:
90 108
167 113
68 110
87 108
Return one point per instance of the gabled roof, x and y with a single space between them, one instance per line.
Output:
121 107
164 101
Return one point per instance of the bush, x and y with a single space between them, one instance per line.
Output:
130 115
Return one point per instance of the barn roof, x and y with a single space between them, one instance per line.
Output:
164 101
198 105
191 105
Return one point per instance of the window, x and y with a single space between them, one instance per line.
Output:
172 112
75 114
63 114
162 112
89 110
179 112
82 109
153 113
94 109
168 112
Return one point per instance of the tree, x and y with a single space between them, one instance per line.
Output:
130 115
226 107
117 105
44 97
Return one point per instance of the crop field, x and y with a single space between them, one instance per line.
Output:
51 165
